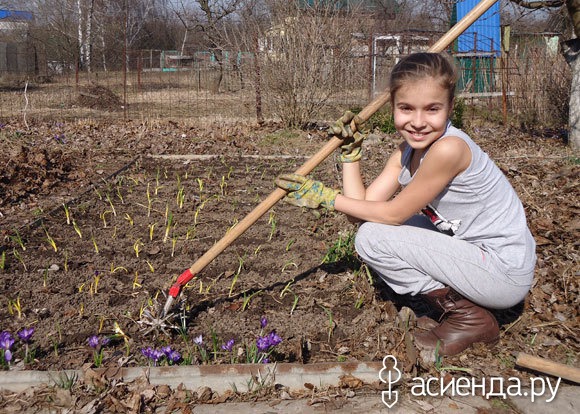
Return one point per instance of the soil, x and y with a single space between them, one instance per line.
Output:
136 221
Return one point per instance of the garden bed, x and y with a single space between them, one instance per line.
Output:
96 227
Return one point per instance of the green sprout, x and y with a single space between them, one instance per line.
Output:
149 200
108 197
95 244
248 298
168 224
66 213
137 247
235 279
330 320
77 229
18 240
223 185
19 258
3 260
272 222
173 244
15 307
136 283
151 228
129 219
51 240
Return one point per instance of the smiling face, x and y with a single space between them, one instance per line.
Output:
421 109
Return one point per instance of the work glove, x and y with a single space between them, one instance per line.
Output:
304 192
351 149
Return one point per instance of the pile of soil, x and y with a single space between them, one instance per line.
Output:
99 97
113 255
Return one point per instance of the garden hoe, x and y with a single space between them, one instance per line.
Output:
162 321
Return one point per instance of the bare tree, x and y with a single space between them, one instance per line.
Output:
208 19
571 50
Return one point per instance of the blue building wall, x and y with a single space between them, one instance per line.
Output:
15 15
483 35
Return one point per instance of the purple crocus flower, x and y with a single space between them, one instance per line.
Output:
228 345
147 352
6 342
25 334
93 341
266 342
173 356
263 322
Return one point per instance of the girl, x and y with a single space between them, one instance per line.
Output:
470 249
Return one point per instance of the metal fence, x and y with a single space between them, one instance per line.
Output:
527 80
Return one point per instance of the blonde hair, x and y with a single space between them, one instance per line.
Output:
421 65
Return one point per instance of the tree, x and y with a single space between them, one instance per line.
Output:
209 20
570 50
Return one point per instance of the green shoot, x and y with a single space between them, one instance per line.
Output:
66 260
157 186
294 303
169 223
272 222
151 228
77 229
95 244
180 197
65 380
108 197
289 244
45 277
149 201
235 279
247 299
103 216
3 260
288 264
51 240
330 320
94 288
129 219
18 239
136 283
119 195
200 185
137 247
151 268
14 307
286 289
118 268
98 194
66 213
173 244
223 185
190 233
20 259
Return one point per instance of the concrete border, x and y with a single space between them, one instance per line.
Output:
238 377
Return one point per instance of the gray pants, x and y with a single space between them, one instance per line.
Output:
415 258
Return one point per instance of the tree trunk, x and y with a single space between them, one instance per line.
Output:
571 52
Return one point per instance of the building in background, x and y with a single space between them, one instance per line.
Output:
17 55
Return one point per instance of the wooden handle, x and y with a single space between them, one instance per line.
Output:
330 146
549 367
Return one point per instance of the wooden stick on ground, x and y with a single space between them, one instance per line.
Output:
549 367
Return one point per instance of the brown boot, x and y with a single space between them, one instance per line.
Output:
463 324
